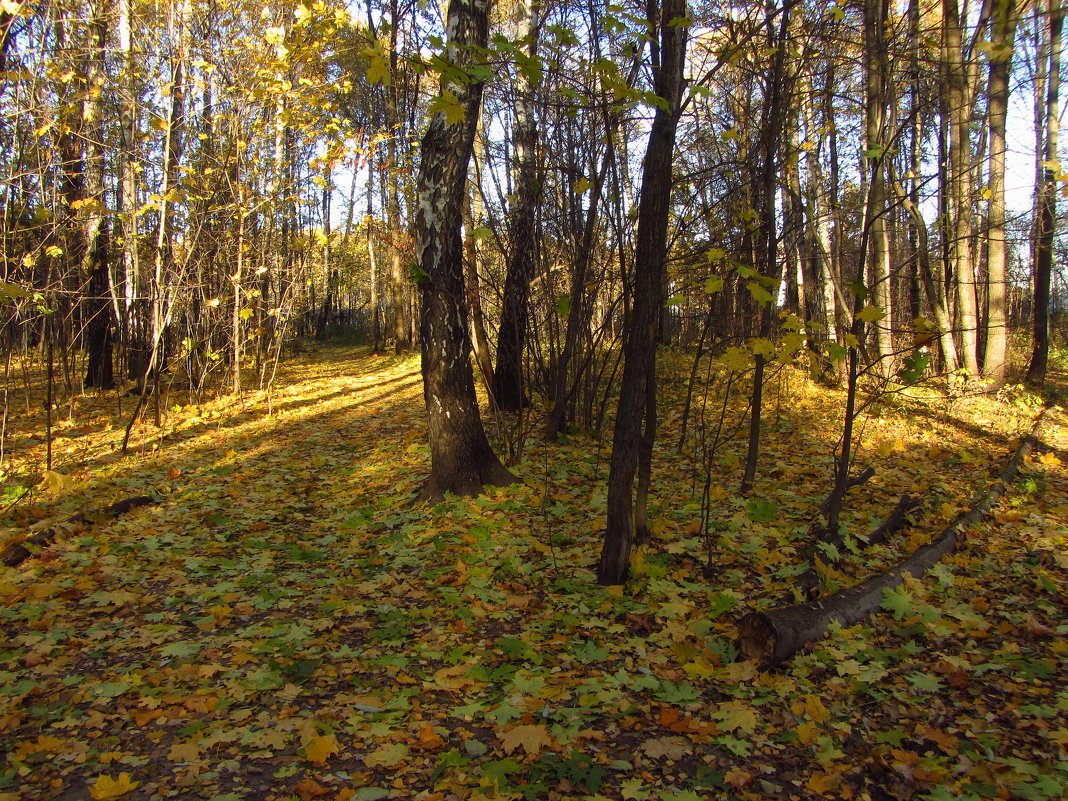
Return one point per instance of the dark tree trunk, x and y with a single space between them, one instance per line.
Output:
462 460
508 371
632 440
1047 199
98 337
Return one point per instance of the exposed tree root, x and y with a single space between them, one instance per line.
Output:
773 637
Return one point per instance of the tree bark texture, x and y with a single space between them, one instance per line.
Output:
1047 201
1004 33
97 301
462 460
508 385
640 336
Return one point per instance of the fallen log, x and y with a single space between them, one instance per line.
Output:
773 637
18 553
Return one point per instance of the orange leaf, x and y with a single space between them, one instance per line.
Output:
309 789
428 738
821 783
320 748
738 778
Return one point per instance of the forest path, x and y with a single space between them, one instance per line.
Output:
286 625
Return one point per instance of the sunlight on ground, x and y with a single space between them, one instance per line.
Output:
285 624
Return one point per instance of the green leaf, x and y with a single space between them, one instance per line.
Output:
713 284
897 602
925 683
498 771
447 103
180 649
417 275
759 293
759 510
871 314
563 305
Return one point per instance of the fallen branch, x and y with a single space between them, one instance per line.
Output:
16 554
894 520
773 637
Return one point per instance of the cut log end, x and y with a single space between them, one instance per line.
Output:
757 638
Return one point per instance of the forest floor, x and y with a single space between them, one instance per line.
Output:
285 624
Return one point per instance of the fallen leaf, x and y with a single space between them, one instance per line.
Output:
821 783
386 756
670 747
737 778
309 789
106 787
736 715
531 737
320 748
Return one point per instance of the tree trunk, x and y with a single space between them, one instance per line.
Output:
876 140
958 184
1003 37
97 301
462 460
1047 201
508 372
765 250
398 284
640 337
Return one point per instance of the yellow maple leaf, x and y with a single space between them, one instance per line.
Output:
320 748
1049 459
821 783
106 787
531 737
184 752
815 710
808 733
737 715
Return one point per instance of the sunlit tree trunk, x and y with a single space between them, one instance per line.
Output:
462 460
877 146
958 183
1004 33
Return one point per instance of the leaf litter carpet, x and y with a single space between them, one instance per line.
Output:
286 625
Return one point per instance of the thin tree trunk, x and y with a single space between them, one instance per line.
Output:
1003 37
1047 217
958 183
877 76
508 390
631 442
